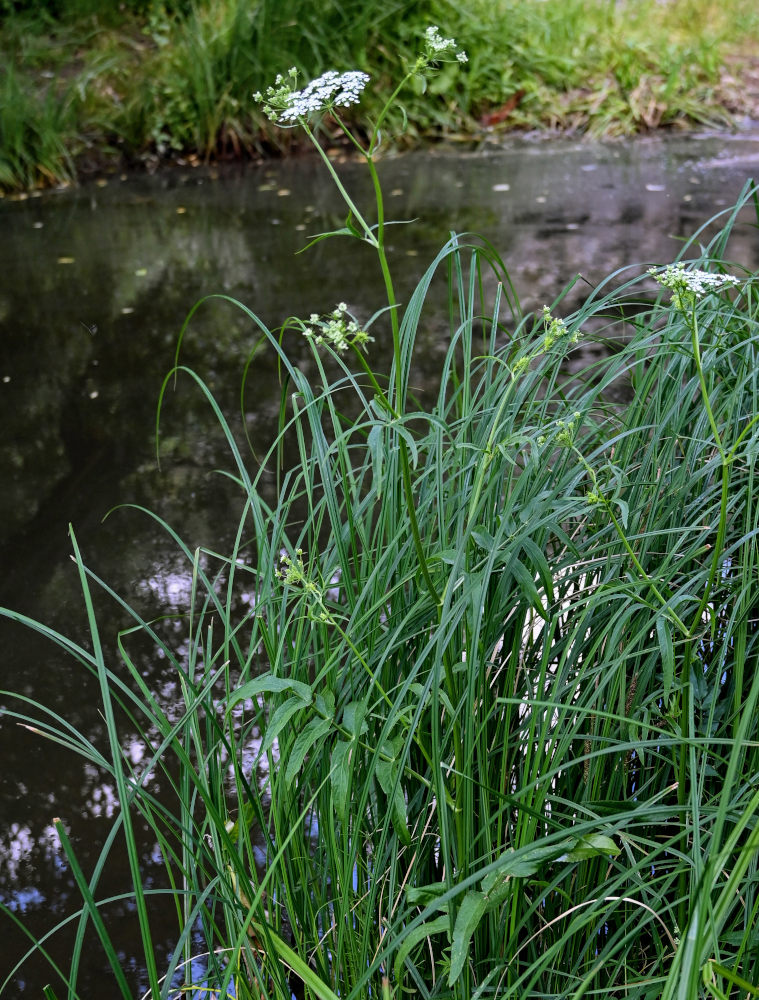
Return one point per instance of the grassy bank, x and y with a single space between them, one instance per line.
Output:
89 84
471 709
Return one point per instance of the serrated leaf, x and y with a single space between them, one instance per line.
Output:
354 714
324 703
268 683
279 720
304 741
483 538
340 776
388 772
591 846
423 895
523 864
473 907
437 926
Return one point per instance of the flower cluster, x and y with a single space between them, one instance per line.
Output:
436 49
292 572
556 329
337 330
285 105
689 286
566 431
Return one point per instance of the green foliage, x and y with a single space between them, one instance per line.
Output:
489 706
166 77
35 133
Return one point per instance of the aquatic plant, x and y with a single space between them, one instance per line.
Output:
485 722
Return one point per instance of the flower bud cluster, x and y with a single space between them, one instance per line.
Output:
337 330
285 105
293 573
556 329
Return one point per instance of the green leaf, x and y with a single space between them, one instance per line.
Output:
483 538
472 909
325 236
340 765
324 704
305 740
279 720
388 774
525 863
527 583
664 635
354 714
268 683
423 895
352 228
437 926
591 846
624 511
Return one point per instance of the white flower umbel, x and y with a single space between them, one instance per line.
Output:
337 330
287 106
439 49
688 287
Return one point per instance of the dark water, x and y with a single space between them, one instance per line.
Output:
94 286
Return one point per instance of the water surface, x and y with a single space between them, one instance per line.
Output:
94 287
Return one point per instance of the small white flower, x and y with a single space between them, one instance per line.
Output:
436 47
689 286
286 106
336 330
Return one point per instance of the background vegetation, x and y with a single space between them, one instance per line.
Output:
87 84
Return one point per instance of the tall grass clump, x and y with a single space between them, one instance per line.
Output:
486 721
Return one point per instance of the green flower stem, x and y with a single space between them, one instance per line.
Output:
374 141
378 243
368 234
623 538
702 381
398 407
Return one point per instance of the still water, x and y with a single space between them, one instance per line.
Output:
94 286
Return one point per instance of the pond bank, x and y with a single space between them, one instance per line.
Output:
89 88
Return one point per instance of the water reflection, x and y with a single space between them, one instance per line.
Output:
95 287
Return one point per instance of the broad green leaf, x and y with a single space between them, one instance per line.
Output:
388 778
591 846
268 683
524 864
354 714
340 776
473 907
423 895
305 740
324 703
437 926
483 538
279 720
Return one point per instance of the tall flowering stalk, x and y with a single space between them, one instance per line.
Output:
289 106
